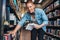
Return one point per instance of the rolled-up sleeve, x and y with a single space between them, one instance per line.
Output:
21 22
44 17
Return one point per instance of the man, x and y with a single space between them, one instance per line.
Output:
37 15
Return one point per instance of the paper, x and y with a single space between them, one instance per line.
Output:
30 26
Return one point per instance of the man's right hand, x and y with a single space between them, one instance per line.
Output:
15 30
13 33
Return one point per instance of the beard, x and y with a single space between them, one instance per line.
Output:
32 13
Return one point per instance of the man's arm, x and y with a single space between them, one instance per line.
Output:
22 21
44 18
39 26
17 28
20 24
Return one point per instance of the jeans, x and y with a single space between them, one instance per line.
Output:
40 33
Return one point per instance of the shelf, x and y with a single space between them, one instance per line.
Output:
16 16
7 28
57 7
52 35
53 27
54 18
51 3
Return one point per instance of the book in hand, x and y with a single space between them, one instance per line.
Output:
30 26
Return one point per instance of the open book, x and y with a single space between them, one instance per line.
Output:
30 26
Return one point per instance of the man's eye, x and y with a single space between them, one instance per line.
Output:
30 6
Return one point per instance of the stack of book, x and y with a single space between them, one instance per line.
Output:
49 8
7 37
56 3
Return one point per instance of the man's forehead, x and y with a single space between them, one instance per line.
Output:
29 3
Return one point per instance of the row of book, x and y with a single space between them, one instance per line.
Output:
9 37
54 31
57 3
53 14
54 22
50 38
52 6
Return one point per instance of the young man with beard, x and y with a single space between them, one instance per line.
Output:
38 16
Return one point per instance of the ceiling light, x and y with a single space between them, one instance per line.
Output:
40 1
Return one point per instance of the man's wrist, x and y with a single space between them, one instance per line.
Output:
14 31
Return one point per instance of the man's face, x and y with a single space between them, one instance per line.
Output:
30 7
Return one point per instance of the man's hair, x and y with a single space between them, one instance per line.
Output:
29 2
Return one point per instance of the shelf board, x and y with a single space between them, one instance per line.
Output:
16 15
57 7
53 27
52 35
51 3
54 18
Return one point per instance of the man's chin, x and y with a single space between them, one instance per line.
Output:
31 12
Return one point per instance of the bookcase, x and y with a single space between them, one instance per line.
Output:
53 14
8 23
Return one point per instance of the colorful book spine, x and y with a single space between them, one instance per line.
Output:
7 37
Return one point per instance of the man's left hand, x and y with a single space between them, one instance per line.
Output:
37 26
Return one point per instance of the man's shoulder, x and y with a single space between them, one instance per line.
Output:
26 14
38 9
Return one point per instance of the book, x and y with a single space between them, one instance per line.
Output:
58 32
49 30
58 22
57 12
54 13
30 26
56 3
55 23
52 31
7 37
51 23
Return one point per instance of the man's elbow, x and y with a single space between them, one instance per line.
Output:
45 22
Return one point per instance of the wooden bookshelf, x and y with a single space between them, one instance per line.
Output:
53 27
57 7
52 35
51 3
54 18
16 15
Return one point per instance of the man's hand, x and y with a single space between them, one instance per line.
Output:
13 33
15 30
37 26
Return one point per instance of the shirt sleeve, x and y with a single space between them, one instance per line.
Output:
21 22
44 17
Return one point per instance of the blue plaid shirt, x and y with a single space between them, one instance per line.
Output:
40 17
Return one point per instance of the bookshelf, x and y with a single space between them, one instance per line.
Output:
11 19
52 35
53 27
50 3
57 7
53 14
1 20
54 18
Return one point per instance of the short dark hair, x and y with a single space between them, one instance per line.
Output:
29 2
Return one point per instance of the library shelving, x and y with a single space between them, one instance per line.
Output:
53 14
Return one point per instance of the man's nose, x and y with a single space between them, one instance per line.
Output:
29 8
